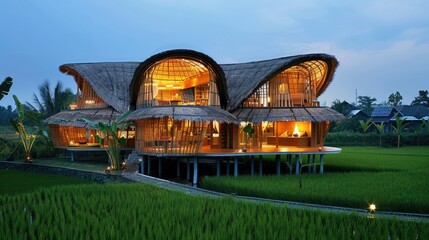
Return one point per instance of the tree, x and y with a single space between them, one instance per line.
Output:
422 99
365 125
395 99
366 103
399 128
5 87
27 140
51 101
380 129
114 142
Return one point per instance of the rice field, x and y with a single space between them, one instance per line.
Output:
139 211
393 179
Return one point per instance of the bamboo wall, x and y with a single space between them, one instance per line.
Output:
87 97
166 136
64 136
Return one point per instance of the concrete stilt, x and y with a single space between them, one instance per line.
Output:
217 167
309 162
314 162
178 167
252 165
260 165
321 163
278 164
297 164
227 166
235 166
188 169
148 165
159 167
194 181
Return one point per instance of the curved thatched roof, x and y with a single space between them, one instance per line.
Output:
70 118
302 114
185 54
110 81
244 78
193 113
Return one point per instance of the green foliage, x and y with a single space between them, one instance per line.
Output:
147 212
348 138
114 142
27 139
5 87
366 103
380 129
30 181
395 99
365 125
51 101
395 179
421 99
399 128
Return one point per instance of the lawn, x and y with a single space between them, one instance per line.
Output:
15 182
140 211
393 179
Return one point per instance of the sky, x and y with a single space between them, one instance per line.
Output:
382 45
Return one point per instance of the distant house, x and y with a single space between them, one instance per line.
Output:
358 113
413 114
383 114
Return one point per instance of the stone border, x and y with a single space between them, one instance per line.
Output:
88 175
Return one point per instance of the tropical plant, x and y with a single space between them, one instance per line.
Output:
421 99
420 129
109 134
249 130
380 129
365 125
366 103
5 87
395 99
399 128
51 101
26 139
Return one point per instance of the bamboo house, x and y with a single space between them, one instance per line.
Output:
186 105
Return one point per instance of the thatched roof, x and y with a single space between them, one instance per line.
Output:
243 79
185 54
180 112
110 81
70 118
302 114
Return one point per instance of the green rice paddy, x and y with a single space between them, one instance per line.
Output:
393 179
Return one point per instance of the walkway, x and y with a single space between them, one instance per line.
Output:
306 206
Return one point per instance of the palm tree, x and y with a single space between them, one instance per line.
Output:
365 126
5 87
51 102
380 129
399 129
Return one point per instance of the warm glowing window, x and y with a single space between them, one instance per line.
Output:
295 86
178 81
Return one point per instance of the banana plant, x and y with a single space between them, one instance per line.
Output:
365 125
27 139
380 129
5 87
109 134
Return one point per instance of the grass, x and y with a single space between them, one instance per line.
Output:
87 165
15 182
140 211
394 179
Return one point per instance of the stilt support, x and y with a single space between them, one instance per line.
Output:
278 164
252 165
321 163
235 166
260 165
297 164
217 167
194 181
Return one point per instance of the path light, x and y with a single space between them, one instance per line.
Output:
108 170
372 208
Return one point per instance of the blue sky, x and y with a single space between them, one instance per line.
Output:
382 45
